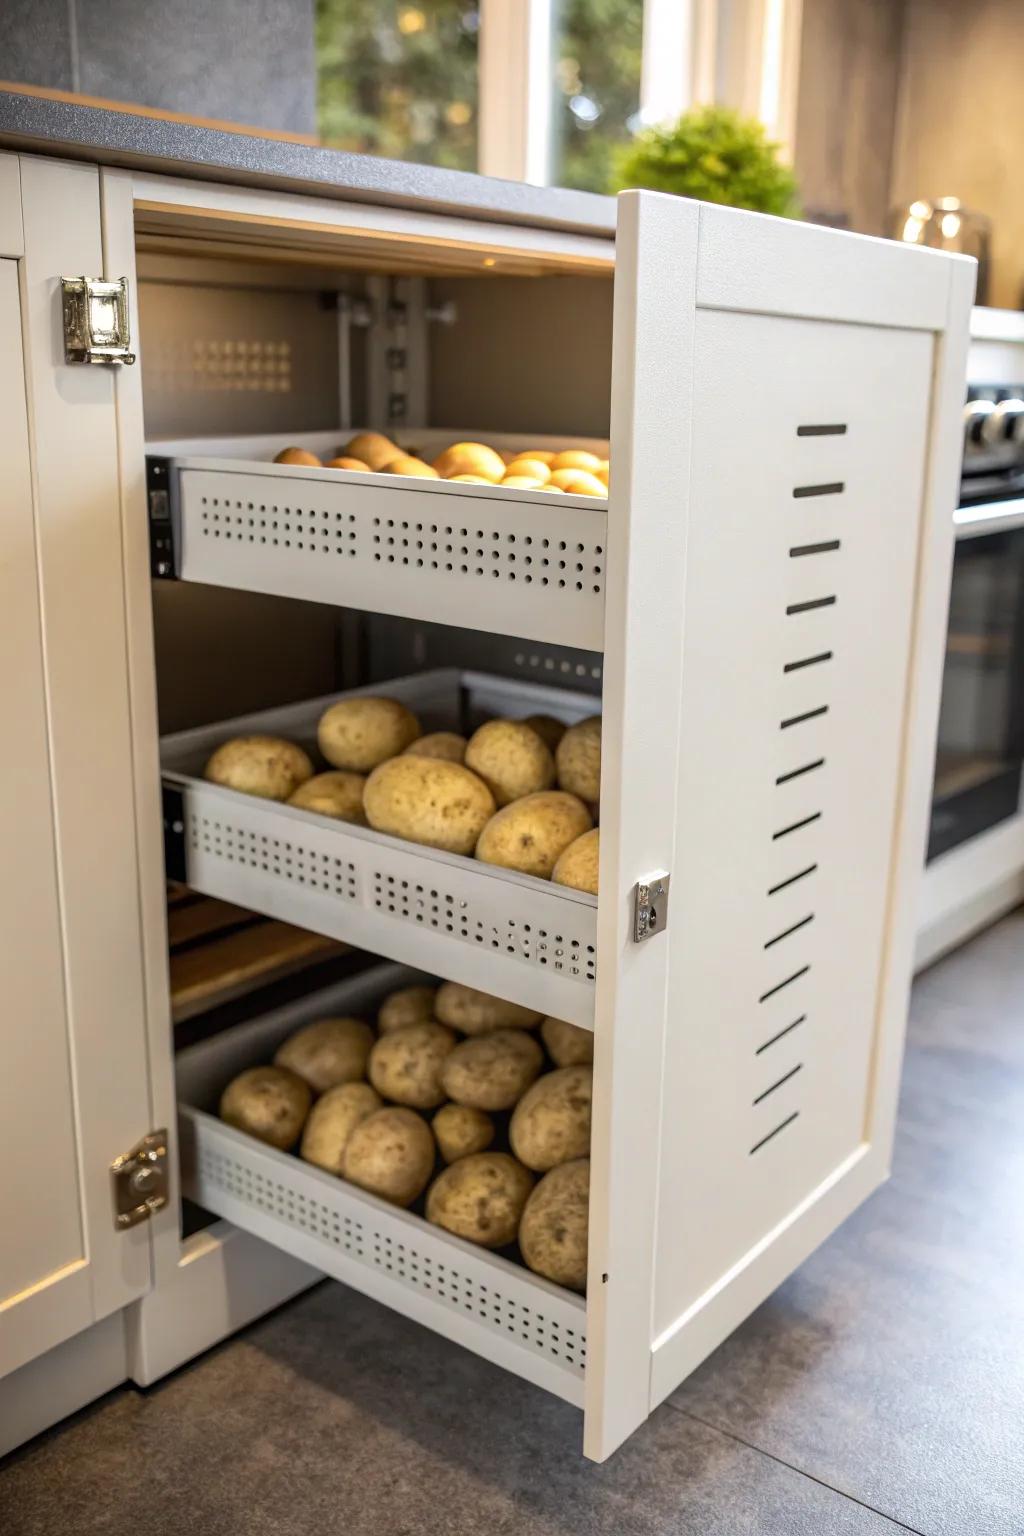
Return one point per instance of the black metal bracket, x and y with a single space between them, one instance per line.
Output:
174 833
162 560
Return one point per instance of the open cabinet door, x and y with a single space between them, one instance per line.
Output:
780 529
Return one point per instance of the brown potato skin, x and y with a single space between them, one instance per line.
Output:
267 766
531 833
480 1198
551 1122
391 1153
331 1122
578 759
493 1071
373 448
269 1103
477 1013
448 746
553 1229
409 464
511 758
327 1052
577 865
405 1065
336 793
297 456
567 1044
358 733
438 804
409 1005
548 729
461 1131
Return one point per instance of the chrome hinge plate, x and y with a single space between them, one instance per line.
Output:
650 905
140 1180
96 324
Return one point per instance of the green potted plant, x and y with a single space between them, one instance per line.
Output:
714 154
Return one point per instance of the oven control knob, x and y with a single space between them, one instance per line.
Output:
1005 424
976 415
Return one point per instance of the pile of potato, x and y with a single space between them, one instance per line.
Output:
522 794
450 1094
573 470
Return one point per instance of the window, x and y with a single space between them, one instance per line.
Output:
399 79
597 48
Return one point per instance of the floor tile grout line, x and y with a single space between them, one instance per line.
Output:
686 1413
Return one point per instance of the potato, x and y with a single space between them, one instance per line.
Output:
391 1153
260 765
535 468
359 733
297 456
269 1103
409 464
522 483
567 1044
337 793
405 1064
470 479
373 448
578 759
409 1005
470 459
493 1071
511 759
346 463
461 1131
548 729
602 472
477 1013
428 801
530 833
543 455
575 458
551 1122
553 1229
576 482
480 1198
327 1052
332 1121
577 865
447 746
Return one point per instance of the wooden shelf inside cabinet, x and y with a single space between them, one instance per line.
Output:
483 557
525 939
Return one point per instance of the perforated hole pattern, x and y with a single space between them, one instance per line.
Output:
426 906
405 1261
279 526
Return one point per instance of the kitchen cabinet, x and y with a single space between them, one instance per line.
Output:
757 612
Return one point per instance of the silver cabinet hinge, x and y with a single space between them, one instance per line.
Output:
650 905
96 325
140 1180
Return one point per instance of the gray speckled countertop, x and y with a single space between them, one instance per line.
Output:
34 123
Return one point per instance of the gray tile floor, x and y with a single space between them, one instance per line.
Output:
880 1389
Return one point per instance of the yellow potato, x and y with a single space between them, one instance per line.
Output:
535 468
567 1044
493 1071
470 479
461 1131
372 448
391 1153
578 759
425 800
470 459
358 733
405 1064
548 729
297 456
577 864
332 1121
529 834
601 472
449 746
543 455
477 1013
575 458
259 765
551 1122
554 1224
408 464
480 1198
336 793
327 1052
345 463
409 1005
576 482
511 758
522 483
269 1103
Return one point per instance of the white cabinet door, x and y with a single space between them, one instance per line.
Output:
74 1084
